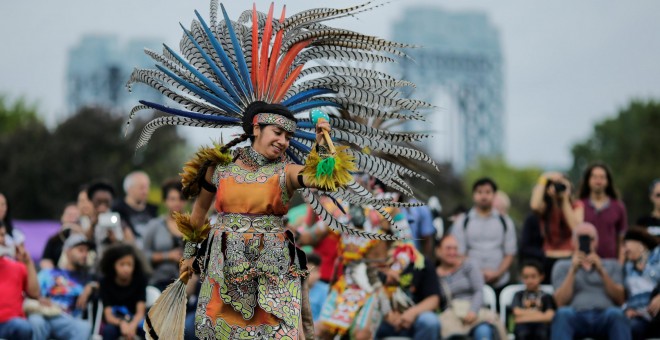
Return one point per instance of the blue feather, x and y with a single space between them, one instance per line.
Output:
229 67
240 58
304 135
221 76
310 105
305 125
204 94
300 146
307 135
302 96
293 156
192 115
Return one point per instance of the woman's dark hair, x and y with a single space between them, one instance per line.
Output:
113 254
544 219
484 181
172 184
262 107
9 226
585 191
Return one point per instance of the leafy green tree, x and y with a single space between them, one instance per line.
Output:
630 144
16 114
43 170
515 182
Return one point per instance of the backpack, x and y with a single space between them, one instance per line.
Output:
467 219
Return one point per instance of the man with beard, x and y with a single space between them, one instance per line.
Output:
486 236
68 288
604 210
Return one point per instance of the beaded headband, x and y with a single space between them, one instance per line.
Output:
286 124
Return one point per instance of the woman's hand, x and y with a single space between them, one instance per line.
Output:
186 266
321 125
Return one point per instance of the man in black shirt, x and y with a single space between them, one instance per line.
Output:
134 209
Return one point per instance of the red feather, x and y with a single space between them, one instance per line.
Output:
265 44
255 47
287 84
274 55
286 62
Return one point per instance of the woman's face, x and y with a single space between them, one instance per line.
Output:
174 201
85 206
447 251
271 140
3 207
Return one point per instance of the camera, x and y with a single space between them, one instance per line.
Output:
559 187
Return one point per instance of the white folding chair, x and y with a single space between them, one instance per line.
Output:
96 331
506 298
152 295
489 298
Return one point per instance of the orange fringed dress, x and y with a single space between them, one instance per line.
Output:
252 288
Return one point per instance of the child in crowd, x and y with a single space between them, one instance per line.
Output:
123 293
533 309
318 290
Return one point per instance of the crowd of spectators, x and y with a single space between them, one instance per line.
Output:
603 275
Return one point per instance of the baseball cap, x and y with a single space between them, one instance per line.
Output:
75 240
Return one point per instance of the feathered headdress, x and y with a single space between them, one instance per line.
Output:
300 63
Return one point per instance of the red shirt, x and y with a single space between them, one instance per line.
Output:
610 222
13 282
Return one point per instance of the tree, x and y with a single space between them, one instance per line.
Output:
43 170
516 182
15 115
630 144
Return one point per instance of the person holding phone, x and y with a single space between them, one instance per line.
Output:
589 292
558 214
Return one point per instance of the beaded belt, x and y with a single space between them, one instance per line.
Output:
243 223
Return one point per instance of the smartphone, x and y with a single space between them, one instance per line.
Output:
109 220
584 242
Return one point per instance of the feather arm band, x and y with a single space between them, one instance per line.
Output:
329 172
195 169
190 232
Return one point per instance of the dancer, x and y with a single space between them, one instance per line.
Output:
357 301
255 73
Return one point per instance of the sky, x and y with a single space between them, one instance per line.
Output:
568 64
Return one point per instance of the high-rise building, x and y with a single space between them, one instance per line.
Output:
459 69
98 69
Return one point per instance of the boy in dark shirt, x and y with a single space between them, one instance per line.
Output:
533 309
